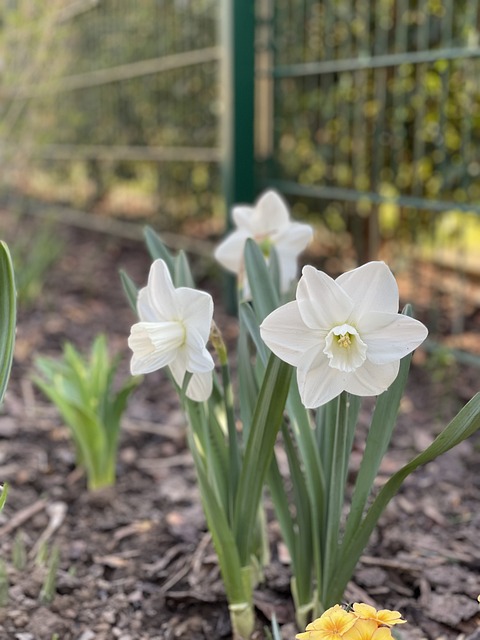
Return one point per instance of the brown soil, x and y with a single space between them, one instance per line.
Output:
136 561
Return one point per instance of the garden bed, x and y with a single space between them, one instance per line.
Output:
135 561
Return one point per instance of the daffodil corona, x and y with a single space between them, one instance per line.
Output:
173 331
269 224
344 334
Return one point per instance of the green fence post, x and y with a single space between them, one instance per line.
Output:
237 86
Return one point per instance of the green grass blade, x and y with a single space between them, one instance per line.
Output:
7 316
465 423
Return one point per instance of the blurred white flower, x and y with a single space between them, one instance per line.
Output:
269 224
173 330
344 334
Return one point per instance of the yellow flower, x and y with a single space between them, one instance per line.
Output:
367 630
332 625
381 617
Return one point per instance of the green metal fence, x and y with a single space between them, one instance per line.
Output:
113 105
373 115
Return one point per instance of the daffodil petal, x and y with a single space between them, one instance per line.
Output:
390 336
318 383
161 292
285 333
288 271
198 359
154 345
322 302
371 379
229 252
178 366
242 217
146 312
372 287
270 213
196 310
288 244
200 386
294 239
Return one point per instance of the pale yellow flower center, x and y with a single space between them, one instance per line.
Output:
344 348
344 341
264 243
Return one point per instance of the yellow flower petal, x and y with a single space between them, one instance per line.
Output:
381 617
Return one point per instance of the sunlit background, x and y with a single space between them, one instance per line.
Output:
367 119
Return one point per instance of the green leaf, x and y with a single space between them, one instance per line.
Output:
3 495
222 536
302 550
158 250
248 387
378 439
82 390
7 317
259 450
249 321
182 276
130 289
465 423
265 297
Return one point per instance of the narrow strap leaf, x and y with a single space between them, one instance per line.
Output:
259 450
157 249
7 317
378 439
265 297
130 289
465 423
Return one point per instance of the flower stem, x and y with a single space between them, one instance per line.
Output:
339 461
233 450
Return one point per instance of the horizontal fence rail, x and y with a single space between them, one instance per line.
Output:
103 77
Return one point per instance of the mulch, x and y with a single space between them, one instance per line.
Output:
135 561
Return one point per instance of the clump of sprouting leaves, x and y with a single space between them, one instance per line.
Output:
83 391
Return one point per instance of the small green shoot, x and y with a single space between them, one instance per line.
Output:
19 552
4 584
50 583
3 495
41 557
82 390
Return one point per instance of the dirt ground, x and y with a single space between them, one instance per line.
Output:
135 561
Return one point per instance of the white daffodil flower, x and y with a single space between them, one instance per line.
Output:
173 331
344 334
269 224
